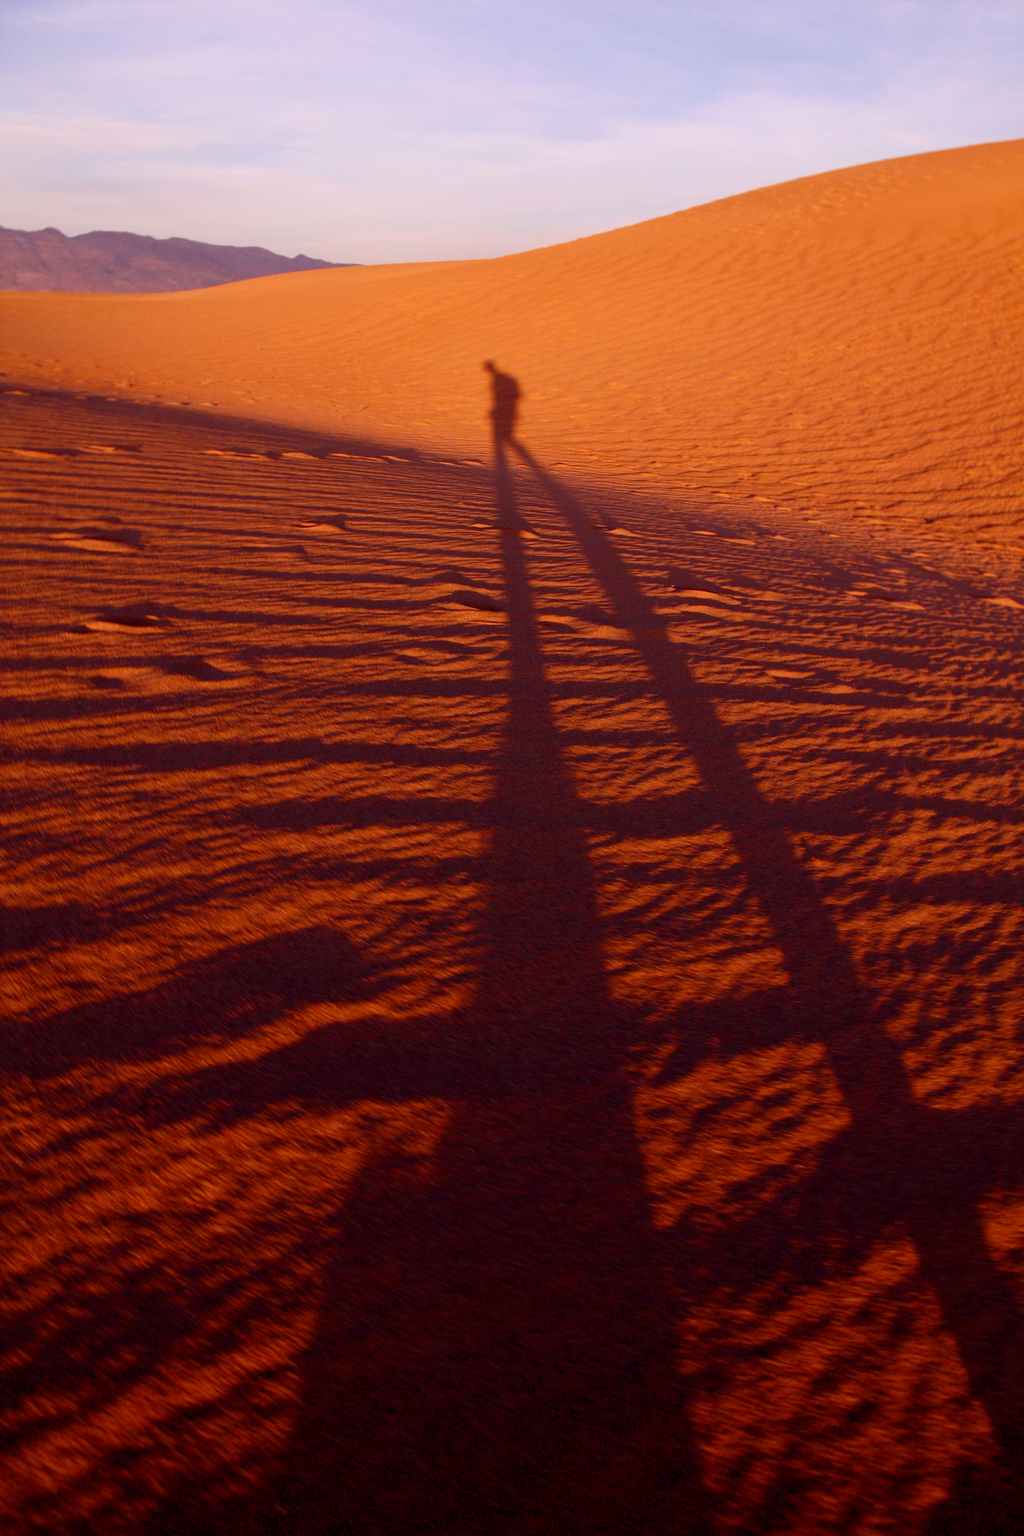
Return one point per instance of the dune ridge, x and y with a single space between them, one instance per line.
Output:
844 345
512 967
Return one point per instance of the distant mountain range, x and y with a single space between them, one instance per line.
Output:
105 261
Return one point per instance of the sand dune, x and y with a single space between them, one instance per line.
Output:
513 951
846 344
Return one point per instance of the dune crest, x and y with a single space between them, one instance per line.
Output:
842 345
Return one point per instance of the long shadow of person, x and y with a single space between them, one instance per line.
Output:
495 1350
495 1346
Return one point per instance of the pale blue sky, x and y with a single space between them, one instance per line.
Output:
397 130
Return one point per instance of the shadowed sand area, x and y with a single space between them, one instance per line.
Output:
512 984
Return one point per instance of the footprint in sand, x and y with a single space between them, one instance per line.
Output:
700 597
682 580
164 674
963 586
832 578
523 529
609 524
196 668
111 448
593 613
458 577
694 607
286 552
881 595
450 652
103 540
590 620
460 656
823 683
132 616
324 524
519 525
721 533
465 597
45 453
467 590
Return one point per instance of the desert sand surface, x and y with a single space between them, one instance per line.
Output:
842 345
513 951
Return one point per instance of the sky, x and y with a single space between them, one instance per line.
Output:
422 130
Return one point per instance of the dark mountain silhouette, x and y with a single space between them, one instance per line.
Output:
107 261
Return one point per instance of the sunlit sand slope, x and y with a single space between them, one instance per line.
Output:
846 344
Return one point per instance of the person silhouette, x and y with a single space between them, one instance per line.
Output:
505 393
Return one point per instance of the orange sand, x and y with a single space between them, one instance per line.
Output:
513 969
846 344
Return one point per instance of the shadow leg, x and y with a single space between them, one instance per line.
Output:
495 1350
903 1143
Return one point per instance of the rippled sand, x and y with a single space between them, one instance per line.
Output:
513 968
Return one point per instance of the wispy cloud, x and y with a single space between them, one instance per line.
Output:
399 131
